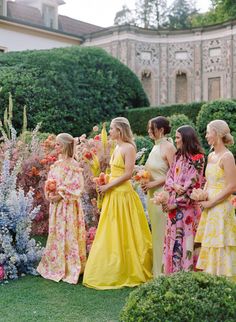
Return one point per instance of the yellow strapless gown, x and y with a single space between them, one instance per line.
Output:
121 254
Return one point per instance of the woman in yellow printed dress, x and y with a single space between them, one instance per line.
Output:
121 254
158 163
217 228
65 253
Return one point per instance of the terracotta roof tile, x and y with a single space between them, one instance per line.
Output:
24 13
76 27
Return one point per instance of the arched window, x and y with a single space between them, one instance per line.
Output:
181 95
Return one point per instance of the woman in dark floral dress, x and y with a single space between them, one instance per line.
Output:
186 173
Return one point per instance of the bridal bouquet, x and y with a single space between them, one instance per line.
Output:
51 186
199 195
160 198
142 176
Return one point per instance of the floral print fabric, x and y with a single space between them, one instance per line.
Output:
65 253
217 229
182 222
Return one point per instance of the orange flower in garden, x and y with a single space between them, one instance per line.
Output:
102 179
43 161
34 172
51 185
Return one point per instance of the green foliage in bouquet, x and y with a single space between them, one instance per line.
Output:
217 110
68 89
185 297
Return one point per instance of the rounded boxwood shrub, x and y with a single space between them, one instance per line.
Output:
223 110
185 297
68 89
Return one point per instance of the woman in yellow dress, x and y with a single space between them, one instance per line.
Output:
158 163
217 228
121 254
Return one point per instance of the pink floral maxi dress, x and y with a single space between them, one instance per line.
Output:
182 222
65 253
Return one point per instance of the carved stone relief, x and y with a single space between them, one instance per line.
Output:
147 54
215 62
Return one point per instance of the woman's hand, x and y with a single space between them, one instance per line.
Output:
54 197
148 185
167 208
206 204
103 188
179 189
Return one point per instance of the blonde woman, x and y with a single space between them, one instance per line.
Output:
217 228
121 254
65 253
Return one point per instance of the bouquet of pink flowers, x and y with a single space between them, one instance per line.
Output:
160 198
199 195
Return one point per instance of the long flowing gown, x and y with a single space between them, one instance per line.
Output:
182 222
64 257
121 254
158 169
217 229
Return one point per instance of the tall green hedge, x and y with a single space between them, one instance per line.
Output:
68 89
221 109
139 117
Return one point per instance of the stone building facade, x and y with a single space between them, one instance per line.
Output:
176 66
173 66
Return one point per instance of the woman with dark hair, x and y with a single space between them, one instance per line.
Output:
185 174
158 163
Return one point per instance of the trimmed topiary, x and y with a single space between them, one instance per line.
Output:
223 110
68 89
185 297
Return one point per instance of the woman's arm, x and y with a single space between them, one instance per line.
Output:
129 155
228 164
168 155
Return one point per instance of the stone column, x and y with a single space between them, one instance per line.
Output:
163 74
197 77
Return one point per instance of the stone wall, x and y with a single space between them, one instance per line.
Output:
177 66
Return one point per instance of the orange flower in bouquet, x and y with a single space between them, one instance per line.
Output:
102 179
199 195
160 198
233 201
142 176
51 185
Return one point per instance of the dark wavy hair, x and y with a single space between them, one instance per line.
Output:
191 144
158 123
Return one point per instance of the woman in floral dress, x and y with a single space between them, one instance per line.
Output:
217 228
186 173
65 253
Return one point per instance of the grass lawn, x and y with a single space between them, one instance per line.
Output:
36 299
32 298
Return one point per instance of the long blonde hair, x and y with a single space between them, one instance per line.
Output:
68 143
222 130
122 124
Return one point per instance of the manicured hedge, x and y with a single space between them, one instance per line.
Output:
139 117
185 297
68 89
221 109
